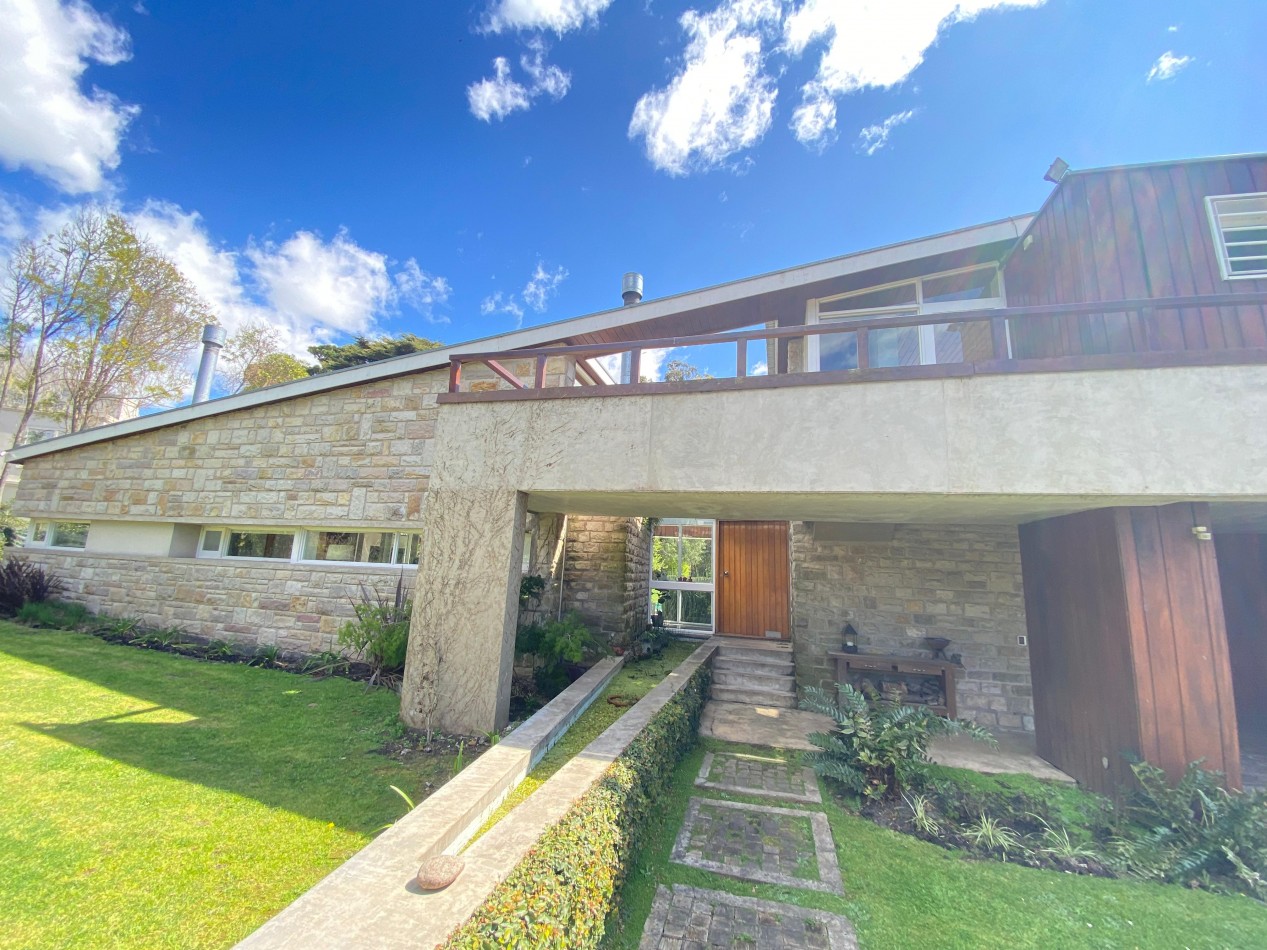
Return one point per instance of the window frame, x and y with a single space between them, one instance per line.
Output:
300 543
1220 239
50 531
682 587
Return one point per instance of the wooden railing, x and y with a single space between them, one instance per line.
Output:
998 320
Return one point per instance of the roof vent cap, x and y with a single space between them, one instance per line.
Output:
631 288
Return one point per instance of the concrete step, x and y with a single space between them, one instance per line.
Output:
754 697
751 646
770 667
777 682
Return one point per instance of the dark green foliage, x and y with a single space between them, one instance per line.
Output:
362 350
380 632
54 615
22 582
531 587
1194 832
877 746
269 657
562 894
555 645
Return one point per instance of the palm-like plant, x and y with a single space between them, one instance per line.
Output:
877 745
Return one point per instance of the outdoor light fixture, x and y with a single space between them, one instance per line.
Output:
1059 168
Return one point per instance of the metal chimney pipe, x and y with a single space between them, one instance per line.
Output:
212 340
631 288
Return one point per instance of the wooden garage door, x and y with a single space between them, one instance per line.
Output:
752 579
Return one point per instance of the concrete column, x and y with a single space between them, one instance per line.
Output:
462 638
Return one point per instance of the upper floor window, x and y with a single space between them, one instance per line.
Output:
58 534
1240 234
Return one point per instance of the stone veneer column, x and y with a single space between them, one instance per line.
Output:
462 637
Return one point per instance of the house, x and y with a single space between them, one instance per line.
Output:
1039 438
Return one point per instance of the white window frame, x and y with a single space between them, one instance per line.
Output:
927 336
299 544
50 528
1220 242
709 587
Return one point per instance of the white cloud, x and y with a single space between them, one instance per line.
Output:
500 303
499 95
875 137
1167 66
47 122
869 44
722 100
557 15
421 290
542 285
760 368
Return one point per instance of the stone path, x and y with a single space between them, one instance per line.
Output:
690 918
770 844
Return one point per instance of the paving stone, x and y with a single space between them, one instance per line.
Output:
759 843
743 923
769 776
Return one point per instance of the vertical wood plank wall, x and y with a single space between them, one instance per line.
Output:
1243 579
1129 651
1085 706
1134 232
752 580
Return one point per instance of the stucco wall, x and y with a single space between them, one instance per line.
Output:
962 582
298 608
355 456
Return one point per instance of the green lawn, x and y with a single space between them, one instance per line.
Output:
150 800
902 892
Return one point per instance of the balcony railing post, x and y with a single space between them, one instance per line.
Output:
455 375
998 338
864 349
539 381
741 358
635 365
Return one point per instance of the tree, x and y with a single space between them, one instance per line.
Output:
94 317
362 350
137 321
253 358
677 371
271 369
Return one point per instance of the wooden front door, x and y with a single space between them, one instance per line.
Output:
752 580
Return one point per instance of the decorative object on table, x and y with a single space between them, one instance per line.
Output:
938 646
850 636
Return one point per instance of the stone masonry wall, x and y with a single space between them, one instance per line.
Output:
349 457
605 579
298 608
962 582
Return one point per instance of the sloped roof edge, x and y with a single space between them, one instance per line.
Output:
991 232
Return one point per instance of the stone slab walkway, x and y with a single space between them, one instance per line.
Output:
770 776
690 918
763 843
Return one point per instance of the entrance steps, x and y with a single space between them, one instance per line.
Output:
754 673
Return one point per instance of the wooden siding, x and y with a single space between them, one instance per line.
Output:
1131 233
1243 579
753 578
1128 652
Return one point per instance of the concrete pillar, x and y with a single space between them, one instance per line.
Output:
462 638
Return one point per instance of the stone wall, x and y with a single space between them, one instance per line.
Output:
298 608
962 582
606 578
358 456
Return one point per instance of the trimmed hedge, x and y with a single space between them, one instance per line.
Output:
565 889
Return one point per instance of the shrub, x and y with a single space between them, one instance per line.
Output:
22 582
555 645
877 746
1194 832
565 889
380 632
53 615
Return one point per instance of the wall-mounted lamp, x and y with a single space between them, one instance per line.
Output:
1059 168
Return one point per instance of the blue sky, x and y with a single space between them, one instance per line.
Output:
458 168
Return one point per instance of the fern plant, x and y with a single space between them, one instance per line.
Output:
876 746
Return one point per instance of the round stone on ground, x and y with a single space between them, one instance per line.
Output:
439 872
